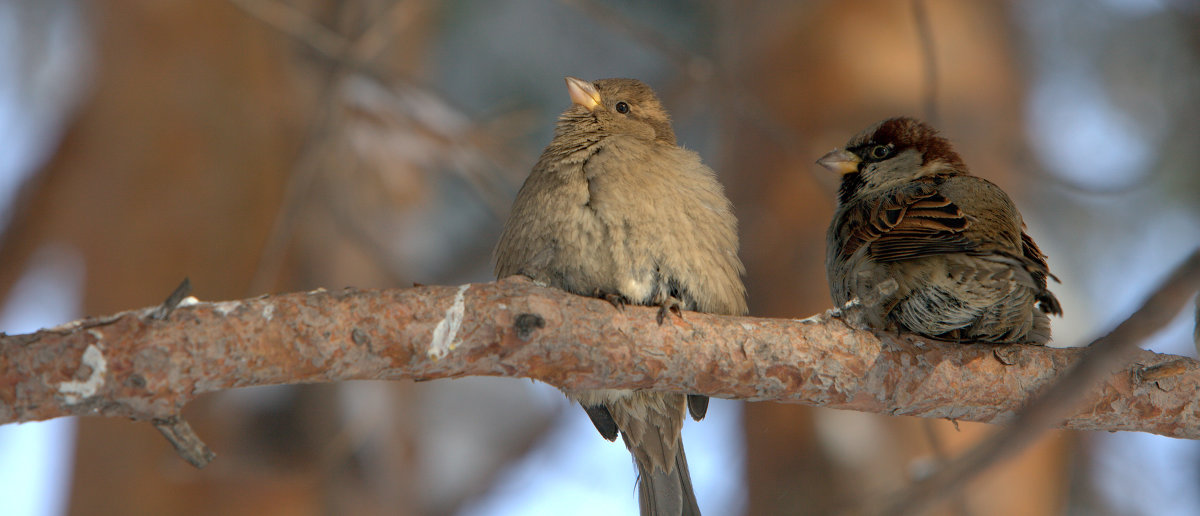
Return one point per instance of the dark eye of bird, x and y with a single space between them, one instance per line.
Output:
622 108
880 151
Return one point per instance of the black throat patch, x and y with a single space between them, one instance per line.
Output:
851 184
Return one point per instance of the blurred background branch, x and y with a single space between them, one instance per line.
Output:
282 145
1113 351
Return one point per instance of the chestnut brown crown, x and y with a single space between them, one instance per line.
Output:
889 153
896 135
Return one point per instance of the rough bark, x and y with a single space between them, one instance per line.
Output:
133 365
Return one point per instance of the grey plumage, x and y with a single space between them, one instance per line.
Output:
951 247
615 208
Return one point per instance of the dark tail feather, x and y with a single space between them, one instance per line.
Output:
697 406
667 494
690 507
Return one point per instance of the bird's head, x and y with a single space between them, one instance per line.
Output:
610 107
890 153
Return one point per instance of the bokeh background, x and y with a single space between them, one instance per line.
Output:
263 146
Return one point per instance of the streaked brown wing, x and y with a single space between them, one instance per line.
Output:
910 222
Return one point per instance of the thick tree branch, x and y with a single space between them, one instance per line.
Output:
132 365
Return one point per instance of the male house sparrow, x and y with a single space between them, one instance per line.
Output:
614 208
937 251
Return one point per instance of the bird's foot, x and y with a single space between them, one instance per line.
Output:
1007 354
670 305
617 300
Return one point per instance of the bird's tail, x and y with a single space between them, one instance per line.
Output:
667 493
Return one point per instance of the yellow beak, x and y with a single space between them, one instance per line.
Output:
583 93
840 161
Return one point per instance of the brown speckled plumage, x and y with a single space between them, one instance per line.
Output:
954 244
613 207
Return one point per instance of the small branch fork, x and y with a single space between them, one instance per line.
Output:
145 368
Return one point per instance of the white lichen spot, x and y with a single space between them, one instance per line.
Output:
67 326
96 334
747 326
446 331
268 311
225 307
75 391
189 301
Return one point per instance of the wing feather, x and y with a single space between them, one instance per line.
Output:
911 222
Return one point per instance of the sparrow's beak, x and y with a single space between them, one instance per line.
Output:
840 161
583 93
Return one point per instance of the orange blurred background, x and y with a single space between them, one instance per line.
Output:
263 146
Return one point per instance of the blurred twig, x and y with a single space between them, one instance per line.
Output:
929 56
353 88
297 23
1196 328
695 66
1047 410
370 42
305 169
940 457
